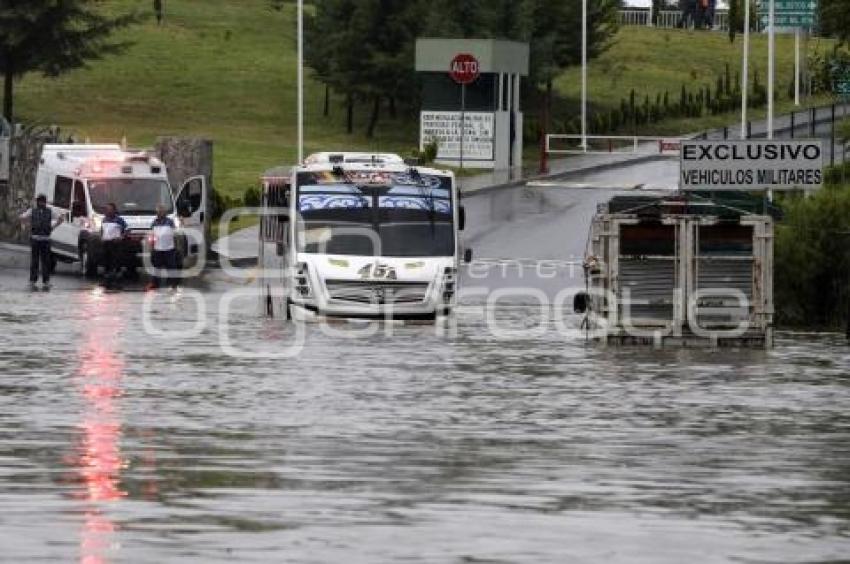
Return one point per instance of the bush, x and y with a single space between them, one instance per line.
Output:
221 203
812 268
253 198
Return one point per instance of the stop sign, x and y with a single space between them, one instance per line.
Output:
465 69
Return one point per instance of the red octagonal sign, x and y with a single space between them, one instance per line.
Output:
465 69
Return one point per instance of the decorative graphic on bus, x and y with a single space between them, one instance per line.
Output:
414 203
315 202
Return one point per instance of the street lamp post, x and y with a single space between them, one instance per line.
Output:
745 70
584 74
300 81
771 64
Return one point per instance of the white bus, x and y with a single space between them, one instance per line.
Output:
356 235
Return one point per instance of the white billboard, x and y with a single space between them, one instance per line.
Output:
444 127
751 165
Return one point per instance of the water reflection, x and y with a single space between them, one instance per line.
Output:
99 463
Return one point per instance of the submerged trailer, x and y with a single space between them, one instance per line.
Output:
683 270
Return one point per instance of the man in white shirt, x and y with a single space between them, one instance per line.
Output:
112 236
163 252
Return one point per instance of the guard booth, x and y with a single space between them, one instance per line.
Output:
477 81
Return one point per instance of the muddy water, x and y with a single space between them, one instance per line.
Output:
119 444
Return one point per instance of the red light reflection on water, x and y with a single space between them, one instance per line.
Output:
99 462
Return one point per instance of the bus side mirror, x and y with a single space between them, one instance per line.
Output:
461 219
467 256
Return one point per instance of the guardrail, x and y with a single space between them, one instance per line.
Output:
668 19
558 144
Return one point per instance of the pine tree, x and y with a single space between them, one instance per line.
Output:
52 38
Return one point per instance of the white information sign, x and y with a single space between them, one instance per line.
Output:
751 165
478 141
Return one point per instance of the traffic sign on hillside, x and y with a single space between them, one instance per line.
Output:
789 13
465 69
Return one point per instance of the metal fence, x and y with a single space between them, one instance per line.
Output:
818 122
668 19
557 144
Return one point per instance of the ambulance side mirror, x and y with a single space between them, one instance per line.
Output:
467 256
461 218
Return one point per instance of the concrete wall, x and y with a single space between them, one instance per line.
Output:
18 193
186 157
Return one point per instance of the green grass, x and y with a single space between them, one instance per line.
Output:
218 68
226 70
653 61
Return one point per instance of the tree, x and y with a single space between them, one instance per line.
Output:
835 19
52 37
554 31
158 10
736 19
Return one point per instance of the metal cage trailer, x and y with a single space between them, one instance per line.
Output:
681 270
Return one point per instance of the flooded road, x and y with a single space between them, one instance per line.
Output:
119 444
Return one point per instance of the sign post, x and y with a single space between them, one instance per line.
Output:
785 15
745 71
464 70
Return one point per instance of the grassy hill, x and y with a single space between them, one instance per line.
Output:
653 61
226 70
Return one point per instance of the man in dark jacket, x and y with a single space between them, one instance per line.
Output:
42 220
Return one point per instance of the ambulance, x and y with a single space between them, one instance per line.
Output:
79 182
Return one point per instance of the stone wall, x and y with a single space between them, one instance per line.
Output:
186 157
19 193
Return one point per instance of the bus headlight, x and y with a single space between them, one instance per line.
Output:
449 284
303 288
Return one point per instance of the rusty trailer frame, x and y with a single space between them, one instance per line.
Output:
675 272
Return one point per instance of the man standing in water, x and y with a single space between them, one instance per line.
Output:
112 233
163 252
42 220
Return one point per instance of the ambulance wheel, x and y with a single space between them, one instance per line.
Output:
88 267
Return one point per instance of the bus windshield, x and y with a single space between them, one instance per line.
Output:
399 220
133 196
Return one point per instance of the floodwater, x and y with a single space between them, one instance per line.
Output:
119 444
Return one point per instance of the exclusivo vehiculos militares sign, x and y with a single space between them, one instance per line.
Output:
751 165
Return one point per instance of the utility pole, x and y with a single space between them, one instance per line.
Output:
584 74
745 71
771 64
300 81
797 67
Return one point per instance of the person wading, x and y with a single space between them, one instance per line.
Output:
42 220
112 235
164 253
